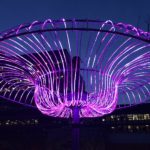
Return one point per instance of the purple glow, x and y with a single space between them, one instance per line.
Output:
75 68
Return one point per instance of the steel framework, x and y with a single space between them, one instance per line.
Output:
75 68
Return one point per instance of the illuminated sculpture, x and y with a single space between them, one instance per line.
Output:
75 68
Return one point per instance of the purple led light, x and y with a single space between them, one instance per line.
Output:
75 68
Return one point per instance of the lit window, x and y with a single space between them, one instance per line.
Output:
135 117
103 119
146 117
130 117
129 127
112 116
140 117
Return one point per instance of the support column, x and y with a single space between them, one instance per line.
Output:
75 115
75 128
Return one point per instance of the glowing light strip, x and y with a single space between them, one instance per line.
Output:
58 70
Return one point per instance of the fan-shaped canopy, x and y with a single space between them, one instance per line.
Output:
59 65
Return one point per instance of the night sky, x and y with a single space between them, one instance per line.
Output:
14 12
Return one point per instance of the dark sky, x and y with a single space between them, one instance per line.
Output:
14 12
